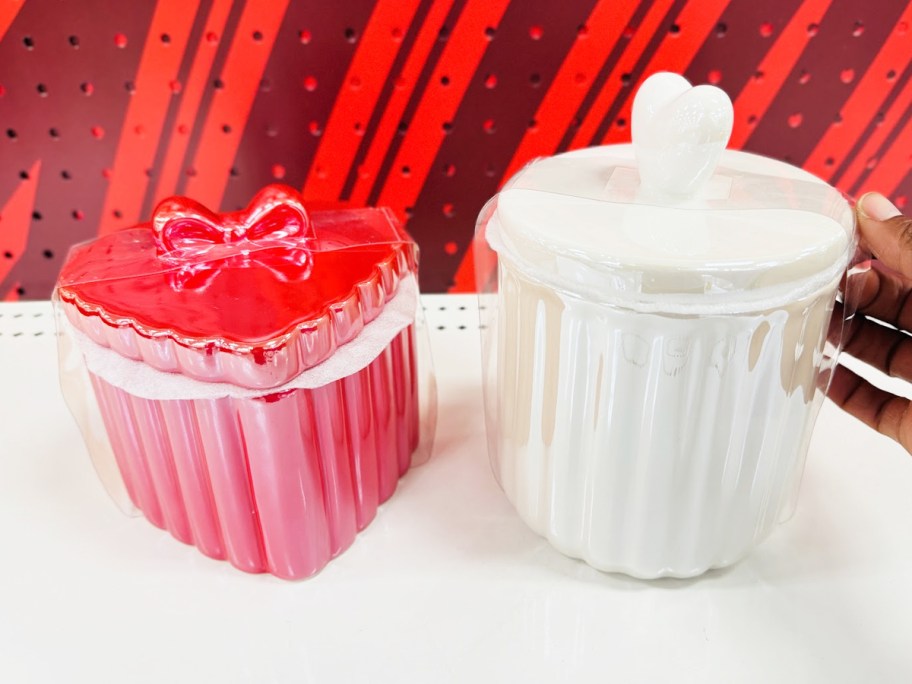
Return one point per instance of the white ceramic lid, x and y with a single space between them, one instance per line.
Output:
674 220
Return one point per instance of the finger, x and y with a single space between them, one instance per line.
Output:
886 232
886 349
881 293
886 413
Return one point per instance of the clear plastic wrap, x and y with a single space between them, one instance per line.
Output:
255 383
648 410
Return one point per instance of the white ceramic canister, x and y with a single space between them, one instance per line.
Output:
657 343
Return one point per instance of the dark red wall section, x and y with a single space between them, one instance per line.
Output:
427 106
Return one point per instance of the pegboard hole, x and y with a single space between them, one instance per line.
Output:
120 40
54 133
86 88
674 29
621 122
265 85
490 32
448 210
106 173
532 126
804 78
183 129
536 32
165 38
766 29
218 84
714 76
24 175
858 29
447 127
257 36
175 87
444 80
351 35
271 131
489 126
226 128
582 31
42 89
847 75
278 171
98 132
117 214
304 36
451 248
315 129
211 37
233 172
829 161
490 81
900 201
891 75
902 27
130 87
406 171
812 30
359 128
794 120
310 83
47 254
11 134
490 170
354 83
396 34
74 41
628 32
535 80
36 216
65 174
721 29
28 42
443 34
579 78
759 75
449 170
871 163
77 215
7 255
625 79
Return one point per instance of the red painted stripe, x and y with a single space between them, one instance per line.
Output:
757 95
142 129
370 67
8 11
863 104
192 93
399 100
605 25
241 75
12 295
644 33
676 52
16 221
459 61
886 177
891 120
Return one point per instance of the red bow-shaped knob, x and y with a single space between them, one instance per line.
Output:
273 232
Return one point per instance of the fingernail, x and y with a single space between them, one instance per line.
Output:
876 206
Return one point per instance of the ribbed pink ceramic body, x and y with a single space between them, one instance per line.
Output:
279 483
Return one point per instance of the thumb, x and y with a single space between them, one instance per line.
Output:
886 232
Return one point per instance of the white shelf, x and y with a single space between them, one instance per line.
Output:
446 584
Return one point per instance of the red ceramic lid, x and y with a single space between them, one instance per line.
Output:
253 297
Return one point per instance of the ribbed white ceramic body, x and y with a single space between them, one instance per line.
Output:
650 444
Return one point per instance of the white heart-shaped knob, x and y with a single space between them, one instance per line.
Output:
679 132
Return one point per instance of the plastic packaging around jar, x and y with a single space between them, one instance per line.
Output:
654 421
278 470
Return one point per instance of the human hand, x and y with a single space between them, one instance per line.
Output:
884 293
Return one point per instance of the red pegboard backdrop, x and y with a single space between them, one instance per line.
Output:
423 105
